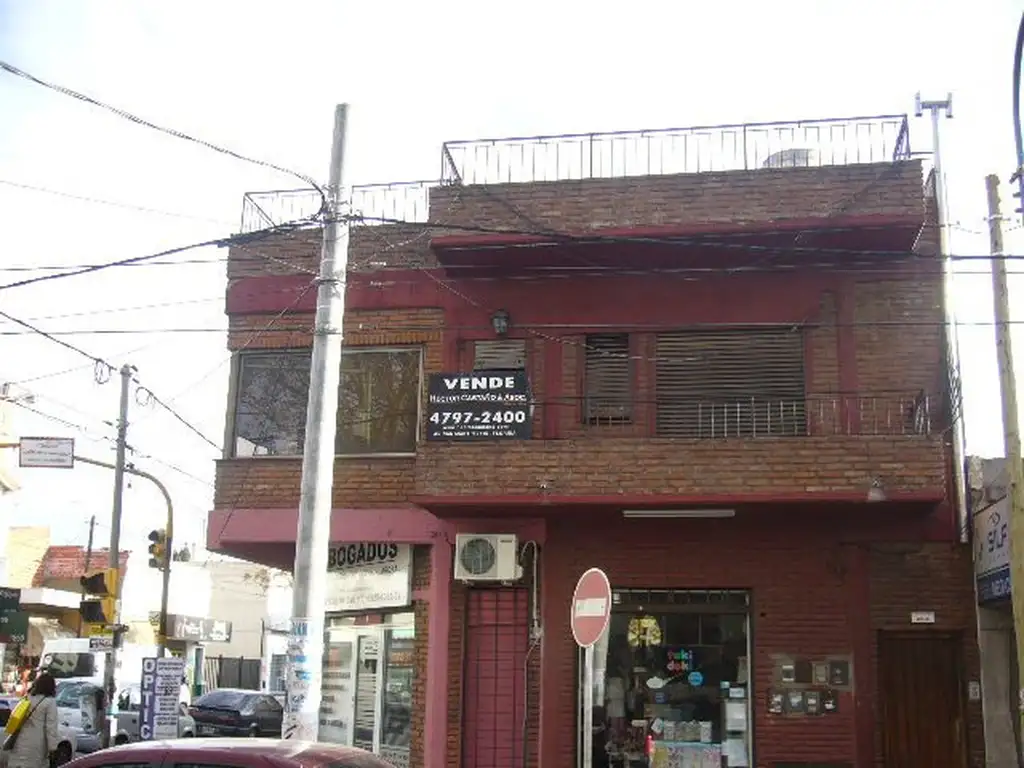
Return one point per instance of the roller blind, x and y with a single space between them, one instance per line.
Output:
606 379
731 383
503 353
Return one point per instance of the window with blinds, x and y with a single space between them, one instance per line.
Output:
731 383
607 381
501 353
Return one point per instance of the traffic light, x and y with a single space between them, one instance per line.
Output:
158 549
100 607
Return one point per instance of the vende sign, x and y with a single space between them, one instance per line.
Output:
591 607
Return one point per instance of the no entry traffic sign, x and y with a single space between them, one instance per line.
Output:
591 607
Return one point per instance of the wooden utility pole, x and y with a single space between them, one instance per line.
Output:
1011 423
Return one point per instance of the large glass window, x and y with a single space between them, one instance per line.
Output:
378 402
671 681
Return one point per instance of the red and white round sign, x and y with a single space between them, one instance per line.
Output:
591 607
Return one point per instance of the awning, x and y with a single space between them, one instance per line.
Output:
41 629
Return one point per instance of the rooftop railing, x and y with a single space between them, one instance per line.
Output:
377 203
749 146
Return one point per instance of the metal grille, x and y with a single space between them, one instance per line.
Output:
495 677
504 353
607 379
735 383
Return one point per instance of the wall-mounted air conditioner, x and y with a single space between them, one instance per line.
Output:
487 557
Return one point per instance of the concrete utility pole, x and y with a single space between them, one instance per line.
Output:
1011 416
114 562
306 641
958 432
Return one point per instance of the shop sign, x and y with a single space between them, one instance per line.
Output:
482 405
992 551
14 627
10 599
198 630
368 575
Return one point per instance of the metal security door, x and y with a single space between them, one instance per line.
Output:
494 678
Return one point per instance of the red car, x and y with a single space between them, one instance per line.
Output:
229 753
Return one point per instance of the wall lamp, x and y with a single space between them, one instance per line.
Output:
662 513
500 321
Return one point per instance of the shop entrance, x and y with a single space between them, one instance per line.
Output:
920 692
367 686
672 681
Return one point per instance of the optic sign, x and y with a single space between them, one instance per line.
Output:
46 452
591 607
482 405
161 693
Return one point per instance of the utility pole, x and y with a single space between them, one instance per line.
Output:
958 432
114 562
1011 416
306 640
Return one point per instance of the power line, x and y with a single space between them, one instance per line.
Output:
216 242
112 203
404 327
105 369
144 396
161 129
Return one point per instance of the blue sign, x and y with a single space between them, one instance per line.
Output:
160 688
695 678
994 585
147 707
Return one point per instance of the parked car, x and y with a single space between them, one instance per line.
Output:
237 712
129 707
231 753
65 747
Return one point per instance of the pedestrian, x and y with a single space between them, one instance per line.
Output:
37 738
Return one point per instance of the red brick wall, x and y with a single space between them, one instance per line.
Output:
807 598
762 195
288 253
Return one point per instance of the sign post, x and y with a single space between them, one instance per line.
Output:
161 693
591 612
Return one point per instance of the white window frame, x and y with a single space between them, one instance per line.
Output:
234 391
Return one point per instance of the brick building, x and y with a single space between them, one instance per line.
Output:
731 346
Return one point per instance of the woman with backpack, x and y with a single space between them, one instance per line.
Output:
36 740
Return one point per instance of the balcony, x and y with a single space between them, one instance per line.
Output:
377 203
671 151
828 447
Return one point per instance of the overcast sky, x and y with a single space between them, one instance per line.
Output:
263 78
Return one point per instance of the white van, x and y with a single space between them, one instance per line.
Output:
71 659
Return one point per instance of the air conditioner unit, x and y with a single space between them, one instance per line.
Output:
487 557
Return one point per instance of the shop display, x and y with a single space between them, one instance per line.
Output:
672 684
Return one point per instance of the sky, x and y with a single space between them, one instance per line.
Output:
263 77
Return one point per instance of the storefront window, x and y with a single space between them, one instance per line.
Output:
671 681
367 686
396 720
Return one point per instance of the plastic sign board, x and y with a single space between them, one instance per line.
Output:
161 694
591 607
482 405
46 452
14 627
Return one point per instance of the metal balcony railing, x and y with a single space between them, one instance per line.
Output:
841 141
378 203
882 414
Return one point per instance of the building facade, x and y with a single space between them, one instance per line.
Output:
710 362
